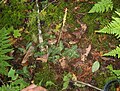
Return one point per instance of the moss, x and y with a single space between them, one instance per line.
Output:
44 74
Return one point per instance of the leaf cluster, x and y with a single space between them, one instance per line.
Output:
60 51
102 6
114 29
116 73
15 83
4 49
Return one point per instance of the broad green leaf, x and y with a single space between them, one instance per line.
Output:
65 85
95 66
11 74
16 33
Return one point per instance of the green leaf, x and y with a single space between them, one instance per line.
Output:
71 52
113 28
4 50
102 6
49 83
19 82
65 85
95 66
110 67
117 72
66 80
11 74
16 33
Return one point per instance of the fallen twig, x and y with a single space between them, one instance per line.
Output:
63 24
89 85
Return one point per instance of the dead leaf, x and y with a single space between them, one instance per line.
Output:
102 38
77 33
43 58
96 55
84 56
66 35
52 41
28 54
88 50
72 42
34 87
12 40
63 63
83 27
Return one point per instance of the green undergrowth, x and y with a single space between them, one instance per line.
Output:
108 75
46 77
21 18
96 22
13 13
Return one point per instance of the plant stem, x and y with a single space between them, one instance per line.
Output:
39 27
63 24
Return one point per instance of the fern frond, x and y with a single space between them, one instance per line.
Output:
4 49
4 44
112 28
102 6
114 53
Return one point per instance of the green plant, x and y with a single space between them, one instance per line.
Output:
95 66
4 49
115 73
66 80
71 52
12 74
113 28
15 84
102 6
13 13
45 76
56 52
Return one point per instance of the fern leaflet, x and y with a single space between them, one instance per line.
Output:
113 28
4 48
115 52
102 6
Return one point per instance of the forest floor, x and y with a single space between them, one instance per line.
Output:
72 48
